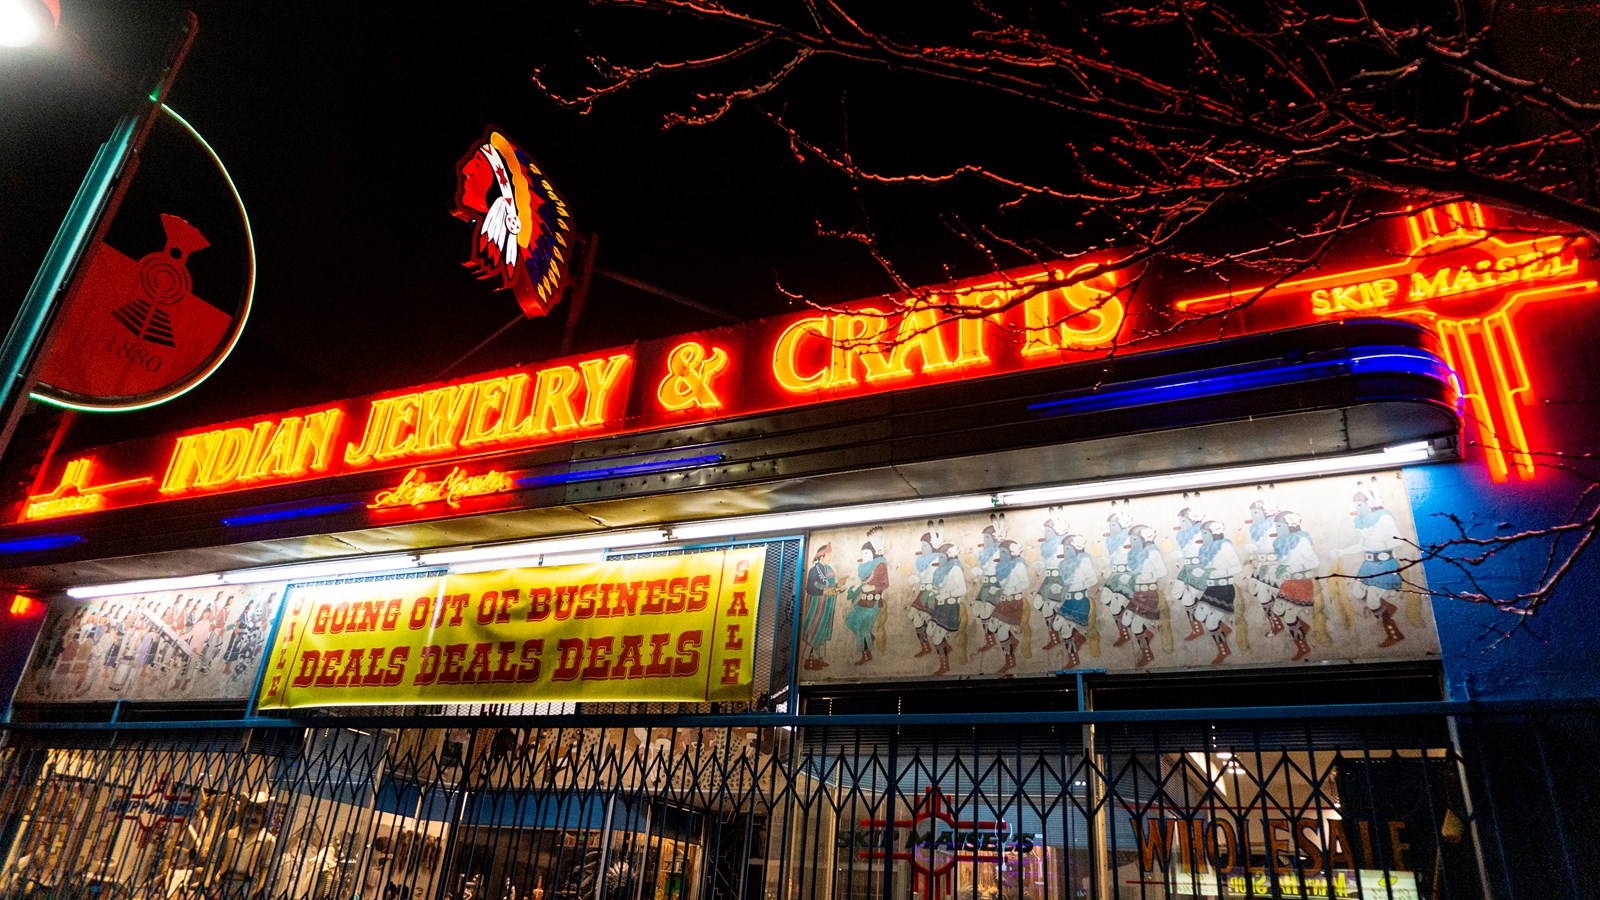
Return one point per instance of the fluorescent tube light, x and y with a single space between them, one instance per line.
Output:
823 518
530 562
606 541
147 586
316 570
1182 481
591 547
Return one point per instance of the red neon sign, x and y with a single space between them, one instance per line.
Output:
416 489
1468 282
691 377
1457 275
1037 320
521 226
932 854
74 494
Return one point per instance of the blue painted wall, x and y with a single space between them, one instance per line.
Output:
1489 653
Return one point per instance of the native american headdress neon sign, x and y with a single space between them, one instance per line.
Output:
522 231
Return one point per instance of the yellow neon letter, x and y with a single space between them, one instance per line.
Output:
600 379
552 404
785 355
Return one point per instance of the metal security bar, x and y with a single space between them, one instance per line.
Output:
1050 806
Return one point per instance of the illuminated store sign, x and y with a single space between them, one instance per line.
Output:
1456 275
1465 280
1039 318
74 494
1229 853
934 839
417 490
521 227
662 628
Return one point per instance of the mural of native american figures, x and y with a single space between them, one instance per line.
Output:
866 596
1296 579
1154 583
1067 574
1378 582
940 589
820 593
168 645
1117 585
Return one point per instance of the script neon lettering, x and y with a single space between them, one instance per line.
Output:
416 490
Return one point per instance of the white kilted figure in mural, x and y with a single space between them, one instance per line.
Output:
1297 586
1190 582
1118 586
1263 582
949 592
1210 582
988 583
1047 599
1147 569
922 603
1079 575
941 586
1011 579
1186 534
1377 582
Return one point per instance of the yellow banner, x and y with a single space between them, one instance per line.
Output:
662 628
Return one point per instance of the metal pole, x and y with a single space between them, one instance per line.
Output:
85 222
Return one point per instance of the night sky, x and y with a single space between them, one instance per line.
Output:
342 125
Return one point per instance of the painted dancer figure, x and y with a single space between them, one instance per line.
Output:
922 597
1078 572
1118 586
866 596
988 585
1052 586
1218 564
1187 536
1190 583
1147 569
1297 571
1263 580
1377 582
950 591
821 593
1011 576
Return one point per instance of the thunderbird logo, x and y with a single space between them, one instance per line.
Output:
934 840
134 327
521 227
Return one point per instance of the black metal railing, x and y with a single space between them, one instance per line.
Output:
1396 801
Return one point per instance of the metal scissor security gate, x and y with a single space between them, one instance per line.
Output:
886 808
